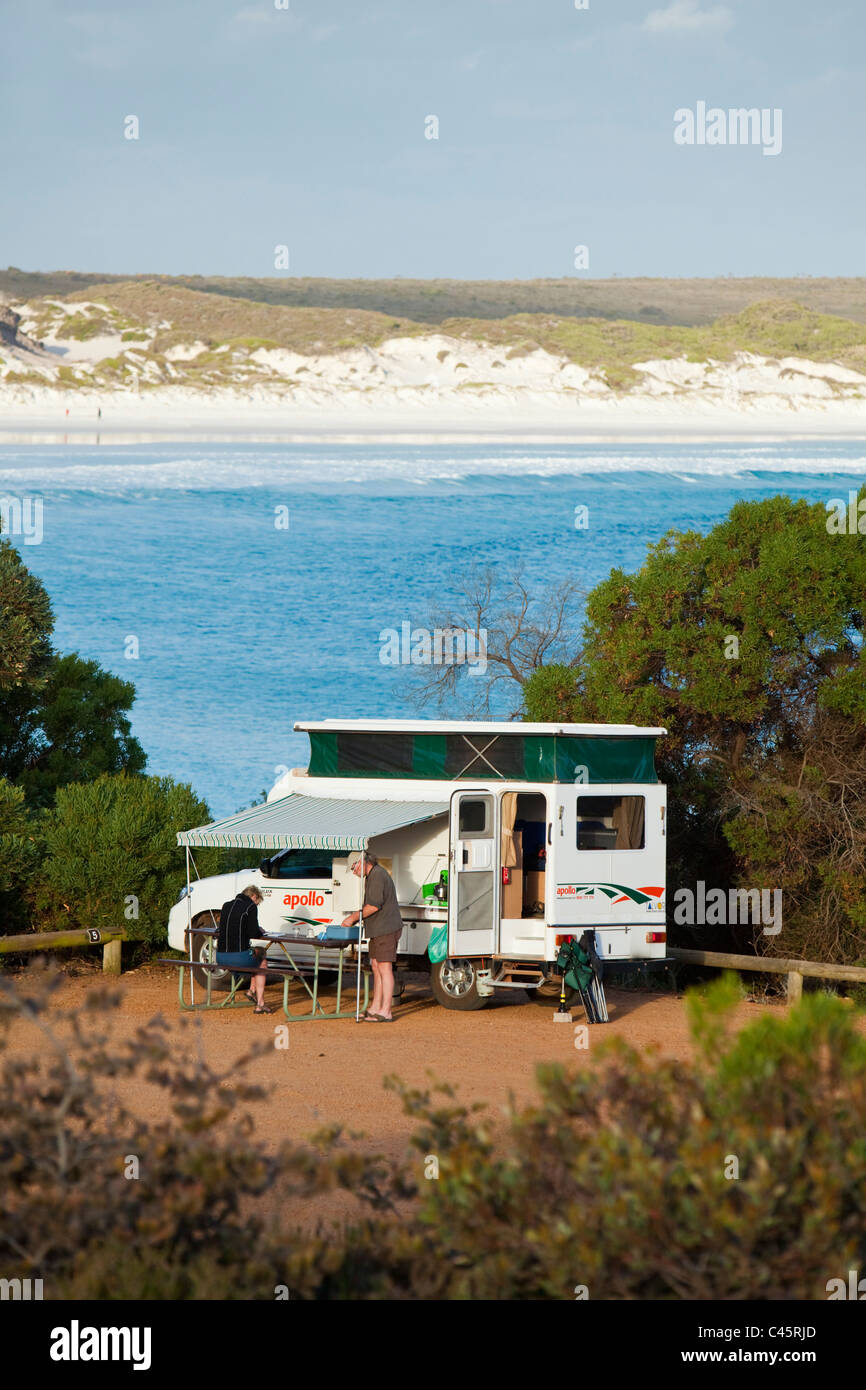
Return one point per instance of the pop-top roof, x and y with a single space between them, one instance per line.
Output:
453 750
476 726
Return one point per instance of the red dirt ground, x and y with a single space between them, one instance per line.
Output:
332 1072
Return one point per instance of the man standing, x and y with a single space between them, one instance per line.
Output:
383 925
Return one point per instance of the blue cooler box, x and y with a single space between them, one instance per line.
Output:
339 934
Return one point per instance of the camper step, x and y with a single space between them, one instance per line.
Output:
532 975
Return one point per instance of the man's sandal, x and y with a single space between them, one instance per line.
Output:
263 1009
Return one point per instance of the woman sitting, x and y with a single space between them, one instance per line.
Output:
239 923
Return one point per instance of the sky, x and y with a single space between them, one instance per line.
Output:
307 128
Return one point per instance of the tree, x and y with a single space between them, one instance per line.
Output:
72 729
734 639
26 622
799 822
62 718
111 856
520 632
747 646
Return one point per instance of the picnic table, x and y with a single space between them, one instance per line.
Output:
293 971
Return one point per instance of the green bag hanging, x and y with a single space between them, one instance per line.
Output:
437 948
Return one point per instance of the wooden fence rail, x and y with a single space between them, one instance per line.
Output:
773 965
57 940
722 960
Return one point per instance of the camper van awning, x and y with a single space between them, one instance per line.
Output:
311 822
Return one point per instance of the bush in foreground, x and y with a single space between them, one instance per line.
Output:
739 1175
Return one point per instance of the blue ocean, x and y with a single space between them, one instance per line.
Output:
256 580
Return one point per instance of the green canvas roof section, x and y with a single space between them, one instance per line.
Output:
603 757
311 822
609 759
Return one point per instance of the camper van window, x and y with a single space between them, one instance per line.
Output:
475 817
484 755
610 822
376 753
298 863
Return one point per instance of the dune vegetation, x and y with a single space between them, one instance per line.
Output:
149 333
643 299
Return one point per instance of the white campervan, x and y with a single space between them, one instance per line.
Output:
509 837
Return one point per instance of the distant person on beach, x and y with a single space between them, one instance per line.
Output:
239 924
383 925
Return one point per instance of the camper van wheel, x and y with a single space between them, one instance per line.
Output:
455 985
205 950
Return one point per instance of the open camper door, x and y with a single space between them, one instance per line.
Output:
473 875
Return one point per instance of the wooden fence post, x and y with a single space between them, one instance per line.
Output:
795 986
111 957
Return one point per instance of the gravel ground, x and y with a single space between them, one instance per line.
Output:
332 1072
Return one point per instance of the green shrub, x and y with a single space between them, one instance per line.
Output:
68 376
27 379
19 855
76 1212
111 841
81 328
620 1178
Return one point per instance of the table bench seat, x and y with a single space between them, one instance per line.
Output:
302 971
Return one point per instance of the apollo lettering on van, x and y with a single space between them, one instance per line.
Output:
310 899
652 898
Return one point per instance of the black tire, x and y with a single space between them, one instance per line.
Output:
455 985
204 949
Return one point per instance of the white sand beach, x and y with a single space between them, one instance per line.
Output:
420 389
